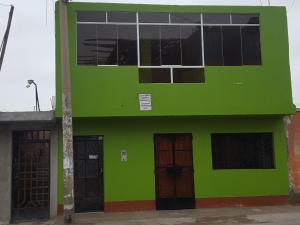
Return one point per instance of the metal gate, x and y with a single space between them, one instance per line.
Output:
174 173
88 173
30 175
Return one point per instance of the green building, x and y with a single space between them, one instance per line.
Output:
176 106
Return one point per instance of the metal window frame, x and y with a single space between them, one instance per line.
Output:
230 25
138 39
138 24
202 40
172 24
171 67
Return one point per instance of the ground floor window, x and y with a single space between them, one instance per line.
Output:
242 151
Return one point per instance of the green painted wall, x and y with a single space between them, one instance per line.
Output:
229 90
134 180
105 102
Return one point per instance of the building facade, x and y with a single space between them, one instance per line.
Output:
176 106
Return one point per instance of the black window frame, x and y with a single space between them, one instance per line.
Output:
219 146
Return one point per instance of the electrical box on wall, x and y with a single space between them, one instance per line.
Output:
124 155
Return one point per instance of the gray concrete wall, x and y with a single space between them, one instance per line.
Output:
6 130
53 172
5 173
27 116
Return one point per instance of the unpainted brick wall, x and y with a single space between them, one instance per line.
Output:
294 153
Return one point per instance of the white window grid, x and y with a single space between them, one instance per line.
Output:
171 67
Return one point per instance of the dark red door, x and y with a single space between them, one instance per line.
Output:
174 173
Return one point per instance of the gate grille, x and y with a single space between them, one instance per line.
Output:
30 188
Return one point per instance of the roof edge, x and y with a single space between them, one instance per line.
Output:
27 116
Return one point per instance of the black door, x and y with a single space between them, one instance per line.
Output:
30 175
88 173
174 173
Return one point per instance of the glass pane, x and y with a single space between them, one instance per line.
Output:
191 45
245 18
188 75
216 18
185 18
86 44
242 151
213 52
125 17
150 45
107 44
232 51
170 45
251 45
127 46
154 75
91 16
153 17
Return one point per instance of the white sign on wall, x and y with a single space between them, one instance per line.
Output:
145 102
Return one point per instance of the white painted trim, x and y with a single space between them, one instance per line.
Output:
138 39
171 66
231 25
106 65
171 74
111 23
202 41
172 24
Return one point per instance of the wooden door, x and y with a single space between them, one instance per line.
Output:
174 173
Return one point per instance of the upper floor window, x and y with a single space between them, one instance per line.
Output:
170 45
232 45
167 40
106 44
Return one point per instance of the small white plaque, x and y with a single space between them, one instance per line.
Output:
93 156
145 102
124 155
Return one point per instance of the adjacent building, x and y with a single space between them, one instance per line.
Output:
294 156
28 166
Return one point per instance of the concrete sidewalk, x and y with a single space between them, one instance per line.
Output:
280 215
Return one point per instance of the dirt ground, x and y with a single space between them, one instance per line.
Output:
271 215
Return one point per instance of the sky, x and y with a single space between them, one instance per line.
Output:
30 51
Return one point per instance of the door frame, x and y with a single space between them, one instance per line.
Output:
102 155
173 150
